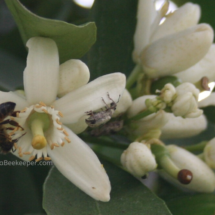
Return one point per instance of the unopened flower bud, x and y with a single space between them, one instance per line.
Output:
209 153
187 87
73 74
138 159
203 177
186 102
168 93
186 106
174 53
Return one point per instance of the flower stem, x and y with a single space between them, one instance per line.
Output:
197 147
167 164
133 76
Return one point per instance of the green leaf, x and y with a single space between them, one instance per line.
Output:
11 71
72 41
128 196
199 204
182 203
21 186
116 21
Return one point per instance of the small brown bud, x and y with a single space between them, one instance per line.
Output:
185 176
204 83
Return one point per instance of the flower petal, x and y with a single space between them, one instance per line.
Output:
154 121
177 52
25 144
184 17
78 163
145 16
205 67
73 74
74 104
13 97
41 74
79 126
161 13
178 127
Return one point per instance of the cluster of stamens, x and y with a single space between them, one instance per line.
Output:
54 135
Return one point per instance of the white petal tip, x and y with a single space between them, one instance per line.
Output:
101 194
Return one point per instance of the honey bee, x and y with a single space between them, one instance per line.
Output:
6 141
101 117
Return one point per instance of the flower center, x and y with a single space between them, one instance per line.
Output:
42 125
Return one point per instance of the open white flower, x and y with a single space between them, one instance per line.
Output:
42 116
173 46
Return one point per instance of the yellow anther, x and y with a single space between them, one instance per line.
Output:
22 111
54 145
39 142
67 139
15 146
26 153
58 122
44 110
32 158
65 132
52 106
43 104
61 128
20 150
47 158
38 106
60 114
62 144
38 159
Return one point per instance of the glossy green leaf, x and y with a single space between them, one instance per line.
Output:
199 204
116 21
72 41
128 196
183 203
